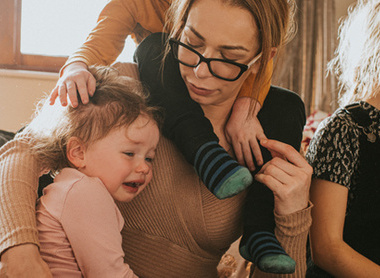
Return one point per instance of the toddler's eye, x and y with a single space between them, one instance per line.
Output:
149 159
129 154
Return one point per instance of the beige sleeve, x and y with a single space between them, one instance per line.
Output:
19 174
292 231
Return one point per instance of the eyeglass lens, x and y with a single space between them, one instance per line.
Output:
219 69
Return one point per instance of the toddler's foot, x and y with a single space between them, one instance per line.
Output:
264 250
221 174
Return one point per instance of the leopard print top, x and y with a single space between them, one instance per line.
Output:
334 150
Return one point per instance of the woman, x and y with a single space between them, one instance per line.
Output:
177 228
345 155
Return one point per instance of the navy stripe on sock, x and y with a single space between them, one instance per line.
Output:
266 248
209 157
220 169
214 165
209 168
263 243
219 182
202 152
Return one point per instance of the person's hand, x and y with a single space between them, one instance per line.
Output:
23 261
244 132
288 175
75 79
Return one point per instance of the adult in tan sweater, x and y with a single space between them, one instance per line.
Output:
177 228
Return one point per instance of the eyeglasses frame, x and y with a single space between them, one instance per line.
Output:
242 67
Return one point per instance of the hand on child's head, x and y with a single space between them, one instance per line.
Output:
76 80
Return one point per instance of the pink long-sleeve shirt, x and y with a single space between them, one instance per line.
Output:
79 228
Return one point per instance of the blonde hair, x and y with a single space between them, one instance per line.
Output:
357 57
274 19
117 102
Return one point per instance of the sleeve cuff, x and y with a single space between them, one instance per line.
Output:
295 223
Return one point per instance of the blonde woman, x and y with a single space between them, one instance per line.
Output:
345 155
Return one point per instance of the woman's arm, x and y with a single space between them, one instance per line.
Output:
19 173
329 251
118 19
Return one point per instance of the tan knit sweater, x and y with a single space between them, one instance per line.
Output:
174 228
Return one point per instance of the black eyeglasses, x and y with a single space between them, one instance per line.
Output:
220 68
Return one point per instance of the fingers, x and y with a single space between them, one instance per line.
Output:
81 86
246 146
285 151
290 184
238 151
91 85
62 93
76 80
53 95
71 89
71 92
254 146
280 170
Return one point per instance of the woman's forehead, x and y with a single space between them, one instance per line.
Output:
219 23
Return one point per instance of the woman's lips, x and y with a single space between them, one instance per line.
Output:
198 90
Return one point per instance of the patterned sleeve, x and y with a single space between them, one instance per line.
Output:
334 150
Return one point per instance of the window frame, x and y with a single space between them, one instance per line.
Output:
10 40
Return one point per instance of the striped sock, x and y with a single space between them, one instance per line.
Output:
221 174
264 250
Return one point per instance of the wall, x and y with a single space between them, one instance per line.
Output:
20 90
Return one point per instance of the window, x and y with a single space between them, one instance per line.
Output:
40 34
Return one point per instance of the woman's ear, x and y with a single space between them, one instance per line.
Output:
255 68
273 52
75 152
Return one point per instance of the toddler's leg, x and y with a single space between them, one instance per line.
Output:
282 118
259 243
185 123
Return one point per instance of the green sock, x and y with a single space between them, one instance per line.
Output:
221 174
264 250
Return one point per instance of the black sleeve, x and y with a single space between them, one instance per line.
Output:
282 118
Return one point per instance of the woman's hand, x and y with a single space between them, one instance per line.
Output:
244 132
288 175
23 261
75 79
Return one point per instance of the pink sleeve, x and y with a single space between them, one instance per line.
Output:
92 224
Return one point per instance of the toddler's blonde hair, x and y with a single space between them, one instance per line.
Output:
117 102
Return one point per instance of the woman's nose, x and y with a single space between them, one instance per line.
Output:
202 70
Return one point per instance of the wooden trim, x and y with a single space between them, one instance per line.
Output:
17 30
8 31
40 62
